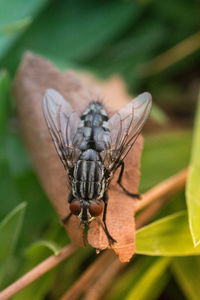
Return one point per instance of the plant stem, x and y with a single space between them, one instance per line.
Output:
162 190
90 275
36 272
101 278
98 288
166 188
171 56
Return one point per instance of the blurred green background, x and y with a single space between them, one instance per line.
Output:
154 45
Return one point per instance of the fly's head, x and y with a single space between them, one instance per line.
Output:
86 211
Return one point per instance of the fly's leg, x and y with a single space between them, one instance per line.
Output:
71 198
110 238
119 181
66 219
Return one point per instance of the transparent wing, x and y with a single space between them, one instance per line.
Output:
125 127
62 122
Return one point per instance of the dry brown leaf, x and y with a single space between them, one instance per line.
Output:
120 215
114 89
34 76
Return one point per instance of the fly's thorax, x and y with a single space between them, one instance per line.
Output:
95 116
93 131
95 138
88 178
94 108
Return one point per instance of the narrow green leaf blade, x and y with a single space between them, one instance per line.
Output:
169 236
48 244
144 286
4 90
80 30
158 115
15 17
132 280
33 256
193 187
10 228
186 271
171 150
16 26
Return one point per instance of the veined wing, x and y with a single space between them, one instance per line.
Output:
125 126
62 122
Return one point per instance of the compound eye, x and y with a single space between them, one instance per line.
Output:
95 209
75 207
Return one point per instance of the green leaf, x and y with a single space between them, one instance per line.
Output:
4 91
79 29
193 187
15 16
132 278
15 27
10 228
163 155
16 155
158 115
30 190
33 256
8 193
186 271
169 236
48 244
148 281
127 53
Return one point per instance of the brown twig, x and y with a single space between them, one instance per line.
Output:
104 280
149 212
160 192
36 272
166 188
89 276
99 287
171 56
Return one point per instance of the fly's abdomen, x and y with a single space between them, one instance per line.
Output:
88 182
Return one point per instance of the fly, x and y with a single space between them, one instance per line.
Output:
92 147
